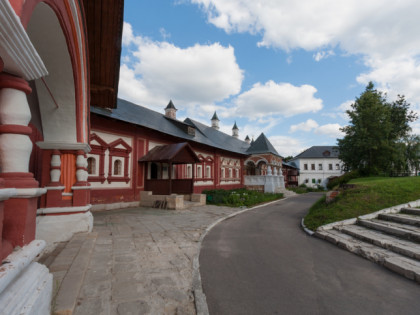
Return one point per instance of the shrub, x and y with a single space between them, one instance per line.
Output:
343 179
238 197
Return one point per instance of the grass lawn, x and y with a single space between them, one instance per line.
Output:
369 195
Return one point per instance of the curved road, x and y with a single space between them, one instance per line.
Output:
261 262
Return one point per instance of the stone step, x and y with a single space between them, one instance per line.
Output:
408 232
397 245
401 218
415 211
69 269
402 265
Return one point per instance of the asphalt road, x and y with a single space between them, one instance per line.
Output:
261 262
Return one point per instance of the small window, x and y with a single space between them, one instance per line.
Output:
337 167
208 171
305 167
117 167
306 181
313 180
320 167
237 173
191 131
223 173
230 173
189 171
319 181
330 167
313 167
199 171
91 167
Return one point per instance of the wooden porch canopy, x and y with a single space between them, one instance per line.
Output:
178 153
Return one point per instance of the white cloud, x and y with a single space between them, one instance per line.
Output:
201 74
395 76
340 111
384 27
330 130
323 55
415 128
308 125
287 146
384 33
277 99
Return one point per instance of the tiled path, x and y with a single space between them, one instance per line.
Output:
138 261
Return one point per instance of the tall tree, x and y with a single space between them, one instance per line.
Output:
372 141
413 153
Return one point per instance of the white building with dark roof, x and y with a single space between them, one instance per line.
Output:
317 164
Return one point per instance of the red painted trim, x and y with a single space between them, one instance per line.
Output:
8 81
68 25
16 129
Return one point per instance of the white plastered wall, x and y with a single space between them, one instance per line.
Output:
58 123
317 174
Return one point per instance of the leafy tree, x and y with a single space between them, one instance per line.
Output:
373 142
287 158
413 152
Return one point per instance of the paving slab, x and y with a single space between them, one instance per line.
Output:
140 261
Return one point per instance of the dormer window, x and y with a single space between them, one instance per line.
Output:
191 131
326 153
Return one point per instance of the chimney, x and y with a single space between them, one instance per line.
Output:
170 110
215 121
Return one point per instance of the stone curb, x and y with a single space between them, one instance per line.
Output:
199 296
308 231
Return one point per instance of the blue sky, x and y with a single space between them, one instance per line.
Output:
289 70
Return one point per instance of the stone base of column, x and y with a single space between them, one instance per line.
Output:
25 286
55 225
81 195
19 221
53 197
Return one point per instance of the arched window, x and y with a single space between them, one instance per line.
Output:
117 167
189 171
91 167
230 173
250 168
199 171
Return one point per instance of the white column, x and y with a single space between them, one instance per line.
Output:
15 144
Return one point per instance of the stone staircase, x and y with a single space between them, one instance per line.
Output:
389 239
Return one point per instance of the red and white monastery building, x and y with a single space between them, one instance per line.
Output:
136 149
67 144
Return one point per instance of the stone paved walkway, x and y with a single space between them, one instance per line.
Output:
141 261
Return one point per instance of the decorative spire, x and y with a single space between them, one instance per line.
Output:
235 131
215 121
247 140
170 110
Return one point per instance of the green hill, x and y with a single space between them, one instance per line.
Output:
369 194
